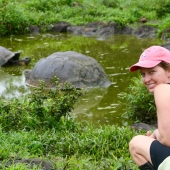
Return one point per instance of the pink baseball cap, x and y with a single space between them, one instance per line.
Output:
151 57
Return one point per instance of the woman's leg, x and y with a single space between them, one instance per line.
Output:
139 148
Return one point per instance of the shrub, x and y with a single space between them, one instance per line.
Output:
110 3
163 8
43 108
140 105
13 18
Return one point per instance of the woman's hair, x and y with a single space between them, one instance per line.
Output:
164 65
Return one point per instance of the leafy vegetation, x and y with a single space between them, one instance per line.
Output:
16 16
38 125
41 108
140 106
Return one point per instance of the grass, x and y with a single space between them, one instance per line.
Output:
82 148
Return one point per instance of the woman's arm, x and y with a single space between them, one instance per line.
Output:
162 101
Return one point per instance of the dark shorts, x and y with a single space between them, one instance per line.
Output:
158 153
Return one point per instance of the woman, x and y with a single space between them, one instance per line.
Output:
151 150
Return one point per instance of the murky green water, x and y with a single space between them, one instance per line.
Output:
116 54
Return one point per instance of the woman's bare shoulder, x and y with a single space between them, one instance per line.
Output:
162 94
162 87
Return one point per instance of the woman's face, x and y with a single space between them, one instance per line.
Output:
151 77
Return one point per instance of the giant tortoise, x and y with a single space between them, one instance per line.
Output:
71 67
8 58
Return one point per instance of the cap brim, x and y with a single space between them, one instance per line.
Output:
144 64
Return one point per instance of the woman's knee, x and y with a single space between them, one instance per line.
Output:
134 143
140 145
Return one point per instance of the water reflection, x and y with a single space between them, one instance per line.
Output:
115 54
90 99
12 86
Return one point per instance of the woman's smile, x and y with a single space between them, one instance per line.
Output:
150 86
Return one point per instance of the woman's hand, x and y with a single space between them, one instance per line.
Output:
151 135
154 135
148 133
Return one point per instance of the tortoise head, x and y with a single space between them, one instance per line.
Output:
27 74
19 62
24 61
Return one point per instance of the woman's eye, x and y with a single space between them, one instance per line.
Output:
142 74
151 72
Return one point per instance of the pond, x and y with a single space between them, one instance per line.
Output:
115 54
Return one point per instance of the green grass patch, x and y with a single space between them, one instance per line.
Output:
81 148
